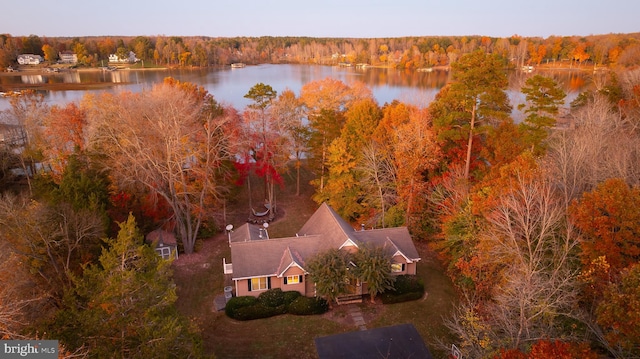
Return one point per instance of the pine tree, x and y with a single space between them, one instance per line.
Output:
124 307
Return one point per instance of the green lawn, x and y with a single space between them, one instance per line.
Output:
288 336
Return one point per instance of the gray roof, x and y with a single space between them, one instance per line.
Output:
160 236
397 342
253 256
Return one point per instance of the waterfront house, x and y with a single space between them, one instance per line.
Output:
260 262
30 59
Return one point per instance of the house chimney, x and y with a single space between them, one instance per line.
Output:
362 226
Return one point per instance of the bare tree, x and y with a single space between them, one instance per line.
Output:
379 175
530 238
21 300
25 117
288 114
600 145
172 142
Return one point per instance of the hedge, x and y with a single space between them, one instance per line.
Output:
406 288
274 302
308 306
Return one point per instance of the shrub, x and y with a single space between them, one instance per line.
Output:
407 284
406 288
290 296
272 297
308 306
236 303
258 311
391 298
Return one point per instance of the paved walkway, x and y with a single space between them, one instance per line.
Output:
356 314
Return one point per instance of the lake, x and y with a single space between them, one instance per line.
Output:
230 85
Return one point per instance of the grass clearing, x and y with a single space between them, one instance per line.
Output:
199 279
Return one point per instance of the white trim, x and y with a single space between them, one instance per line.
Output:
348 243
255 276
403 256
227 268
293 263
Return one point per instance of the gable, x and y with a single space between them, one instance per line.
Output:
326 222
253 256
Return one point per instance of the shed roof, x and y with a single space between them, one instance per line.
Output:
160 236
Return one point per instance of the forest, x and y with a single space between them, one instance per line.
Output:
404 53
537 222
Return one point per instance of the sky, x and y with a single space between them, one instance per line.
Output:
319 18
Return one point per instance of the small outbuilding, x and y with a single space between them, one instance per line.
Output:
394 342
165 243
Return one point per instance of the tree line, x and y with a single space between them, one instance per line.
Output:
404 52
536 222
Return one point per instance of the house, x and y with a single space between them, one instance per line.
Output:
30 59
131 58
68 57
398 341
164 243
260 263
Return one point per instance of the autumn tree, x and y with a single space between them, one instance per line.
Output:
343 190
379 182
529 238
415 152
50 53
609 222
125 306
26 115
63 135
325 102
22 301
618 313
53 242
545 348
287 110
173 141
587 154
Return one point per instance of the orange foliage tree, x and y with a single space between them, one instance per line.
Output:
609 222
64 135
619 312
545 349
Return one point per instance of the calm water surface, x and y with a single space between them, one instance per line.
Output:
230 85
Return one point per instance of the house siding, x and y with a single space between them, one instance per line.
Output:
300 287
409 268
309 287
242 286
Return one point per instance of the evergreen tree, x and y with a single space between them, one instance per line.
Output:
124 307
373 267
329 272
476 97
544 97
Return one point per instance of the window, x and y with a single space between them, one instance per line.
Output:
293 279
164 252
259 283
397 267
